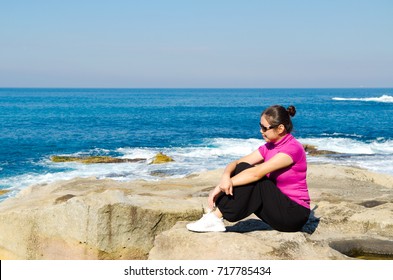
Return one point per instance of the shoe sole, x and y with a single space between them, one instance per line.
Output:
208 230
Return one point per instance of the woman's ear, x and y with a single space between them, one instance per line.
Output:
281 129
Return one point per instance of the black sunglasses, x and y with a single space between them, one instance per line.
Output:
264 128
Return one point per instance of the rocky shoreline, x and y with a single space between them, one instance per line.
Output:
105 219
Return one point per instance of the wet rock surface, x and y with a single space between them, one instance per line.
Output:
94 159
314 151
160 158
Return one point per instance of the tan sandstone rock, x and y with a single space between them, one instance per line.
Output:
105 219
94 219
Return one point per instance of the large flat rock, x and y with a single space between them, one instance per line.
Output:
104 219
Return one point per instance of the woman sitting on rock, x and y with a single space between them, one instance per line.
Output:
270 182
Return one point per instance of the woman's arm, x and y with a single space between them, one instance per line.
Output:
252 159
256 173
226 184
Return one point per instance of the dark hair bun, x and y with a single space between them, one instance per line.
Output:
291 110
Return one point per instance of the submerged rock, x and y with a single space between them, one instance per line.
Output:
94 159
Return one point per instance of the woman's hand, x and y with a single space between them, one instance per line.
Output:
226 185
213 196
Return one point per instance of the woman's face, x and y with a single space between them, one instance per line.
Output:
269 133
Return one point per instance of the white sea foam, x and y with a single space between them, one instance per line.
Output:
351 146
376 155
384 98
211 154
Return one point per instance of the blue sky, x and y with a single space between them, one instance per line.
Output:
200 43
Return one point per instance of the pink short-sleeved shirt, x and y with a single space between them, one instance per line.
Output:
291 180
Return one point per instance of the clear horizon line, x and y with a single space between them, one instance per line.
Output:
94 87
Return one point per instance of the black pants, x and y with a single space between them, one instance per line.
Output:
266 201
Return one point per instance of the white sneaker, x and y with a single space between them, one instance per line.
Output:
208 222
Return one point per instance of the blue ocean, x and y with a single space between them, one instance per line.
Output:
201 129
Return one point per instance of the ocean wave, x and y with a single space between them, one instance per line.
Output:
91 152
376 155
351 146
384 99
338 134
210 154
208 149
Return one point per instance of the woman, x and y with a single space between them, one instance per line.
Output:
270 182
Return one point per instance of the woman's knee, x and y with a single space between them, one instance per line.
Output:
241 167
